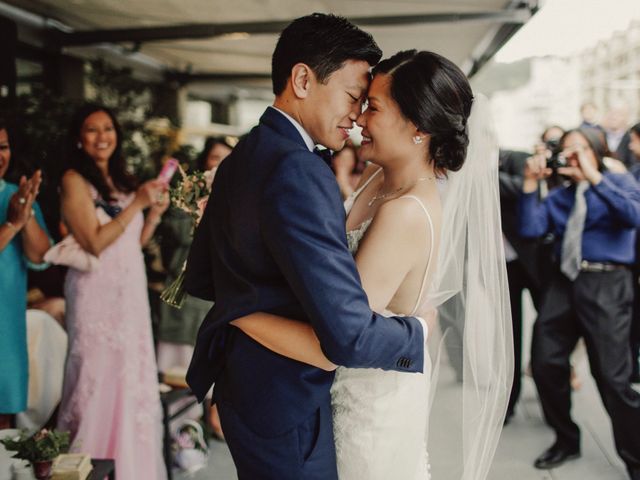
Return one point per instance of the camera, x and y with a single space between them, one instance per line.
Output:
555 158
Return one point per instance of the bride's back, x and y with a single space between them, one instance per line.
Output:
420 207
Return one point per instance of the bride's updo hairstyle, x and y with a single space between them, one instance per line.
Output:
435 95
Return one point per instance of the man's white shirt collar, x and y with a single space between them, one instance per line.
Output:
305 136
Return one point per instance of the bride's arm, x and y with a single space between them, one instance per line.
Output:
395 239
290 338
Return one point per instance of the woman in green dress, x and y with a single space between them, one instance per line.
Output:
177 329
23 243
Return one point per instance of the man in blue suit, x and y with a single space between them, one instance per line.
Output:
273 239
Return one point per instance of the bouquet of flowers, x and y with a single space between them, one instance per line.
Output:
190 195
192 192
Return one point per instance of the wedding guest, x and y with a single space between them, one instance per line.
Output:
178 328
589 115
110 400
634 141
590 294
23 242
214 152
616 124
348 168
633 145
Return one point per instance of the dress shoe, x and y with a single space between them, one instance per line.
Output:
556 456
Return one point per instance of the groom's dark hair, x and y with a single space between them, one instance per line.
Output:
324 43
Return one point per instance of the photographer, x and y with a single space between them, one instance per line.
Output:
594 219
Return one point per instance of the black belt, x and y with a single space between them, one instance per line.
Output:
586 266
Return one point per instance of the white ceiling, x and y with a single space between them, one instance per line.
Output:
251 54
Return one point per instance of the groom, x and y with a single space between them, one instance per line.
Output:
273 239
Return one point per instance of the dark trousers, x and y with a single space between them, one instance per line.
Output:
519 280
635 324
597 307
305 452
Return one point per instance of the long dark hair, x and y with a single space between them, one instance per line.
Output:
81 162
435 95
596 140
209 143
323 42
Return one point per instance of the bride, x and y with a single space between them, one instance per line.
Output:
425 193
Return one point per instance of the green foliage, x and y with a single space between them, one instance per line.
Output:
148 136
40 120
42 446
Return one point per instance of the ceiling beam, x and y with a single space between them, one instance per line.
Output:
500 37
212 30
186 77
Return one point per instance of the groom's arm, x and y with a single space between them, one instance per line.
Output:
303 225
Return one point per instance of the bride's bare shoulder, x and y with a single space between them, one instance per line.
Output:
400 214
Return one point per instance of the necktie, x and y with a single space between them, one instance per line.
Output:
325 154
571 255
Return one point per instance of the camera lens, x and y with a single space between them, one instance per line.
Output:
562 160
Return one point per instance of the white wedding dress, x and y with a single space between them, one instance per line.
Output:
380 417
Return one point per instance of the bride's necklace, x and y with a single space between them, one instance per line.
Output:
382 196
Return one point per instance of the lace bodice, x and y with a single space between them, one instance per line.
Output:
379 417
354 236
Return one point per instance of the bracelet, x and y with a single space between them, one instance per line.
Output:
117 220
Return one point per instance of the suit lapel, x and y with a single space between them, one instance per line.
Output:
278 122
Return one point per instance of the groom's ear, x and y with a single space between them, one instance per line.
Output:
301 76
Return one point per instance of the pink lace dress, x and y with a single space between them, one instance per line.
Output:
110 399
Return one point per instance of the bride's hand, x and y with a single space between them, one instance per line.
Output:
285 336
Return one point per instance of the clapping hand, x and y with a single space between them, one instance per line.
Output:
21 203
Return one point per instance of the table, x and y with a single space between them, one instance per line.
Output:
102 468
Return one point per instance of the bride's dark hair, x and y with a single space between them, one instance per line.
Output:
435 95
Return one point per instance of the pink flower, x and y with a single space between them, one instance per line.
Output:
202 204
184 440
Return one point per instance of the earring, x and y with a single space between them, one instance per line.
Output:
79 145
417 139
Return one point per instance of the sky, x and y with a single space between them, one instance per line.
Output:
563 27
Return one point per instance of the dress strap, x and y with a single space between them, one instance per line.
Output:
364 185
432 236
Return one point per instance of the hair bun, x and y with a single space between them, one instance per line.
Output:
449 151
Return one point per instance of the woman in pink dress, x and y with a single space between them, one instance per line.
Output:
110 400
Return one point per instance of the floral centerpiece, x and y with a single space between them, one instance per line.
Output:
39 449
190 195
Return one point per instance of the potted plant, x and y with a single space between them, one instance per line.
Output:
39 449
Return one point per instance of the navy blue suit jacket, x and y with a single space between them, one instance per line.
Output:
273 239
